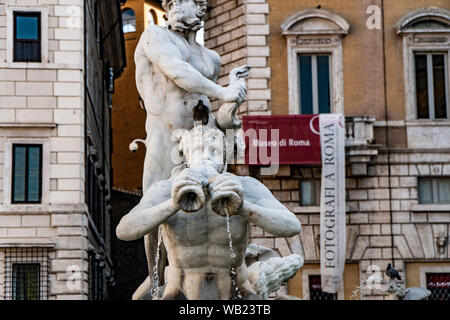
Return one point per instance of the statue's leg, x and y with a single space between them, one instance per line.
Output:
151 246
157 166
142 291
162 263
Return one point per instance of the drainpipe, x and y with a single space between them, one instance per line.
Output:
386 116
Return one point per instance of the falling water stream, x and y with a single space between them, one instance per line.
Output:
232 256
154 292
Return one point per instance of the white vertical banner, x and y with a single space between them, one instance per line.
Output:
332 201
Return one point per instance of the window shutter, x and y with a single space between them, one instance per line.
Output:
422 87
19 155
323 79
440 97
34 165
306 94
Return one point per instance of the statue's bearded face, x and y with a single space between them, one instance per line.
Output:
184 14
204 144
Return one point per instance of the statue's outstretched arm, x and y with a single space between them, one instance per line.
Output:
155 207
265 211
168 58
158 204
137 224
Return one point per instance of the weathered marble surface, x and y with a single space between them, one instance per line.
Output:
268 272
202 261
173 74
187 192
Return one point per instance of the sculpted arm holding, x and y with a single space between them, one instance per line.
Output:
259 206
160 202
165 54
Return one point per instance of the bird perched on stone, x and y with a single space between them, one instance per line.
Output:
201 113
319 6
392 273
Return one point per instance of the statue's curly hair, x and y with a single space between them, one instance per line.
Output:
206 134
202 6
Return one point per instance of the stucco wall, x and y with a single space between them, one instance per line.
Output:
362 55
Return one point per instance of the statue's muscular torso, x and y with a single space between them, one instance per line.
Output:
168 106
199 253
163 98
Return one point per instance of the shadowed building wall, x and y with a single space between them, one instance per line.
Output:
128 123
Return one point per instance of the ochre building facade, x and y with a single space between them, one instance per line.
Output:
388 73
384 64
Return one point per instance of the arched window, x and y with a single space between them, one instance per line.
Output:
426 20
429 24
314 46
426 50
128 20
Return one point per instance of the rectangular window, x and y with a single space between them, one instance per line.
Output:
25 281
314 84
315 290
27 36
310 192
27 173
431 86
434 190
26 272
439 285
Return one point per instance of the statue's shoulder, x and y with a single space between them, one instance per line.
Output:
161 188
157 193
252 185
156 33
246 181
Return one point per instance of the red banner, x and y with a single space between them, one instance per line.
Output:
288 139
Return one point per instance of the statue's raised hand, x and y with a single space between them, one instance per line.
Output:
227 195
234 95
237 90
187 192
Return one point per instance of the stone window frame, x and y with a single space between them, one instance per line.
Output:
434 188
424 41
7 171
316 41
429 171
316 272
423 270
10 9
